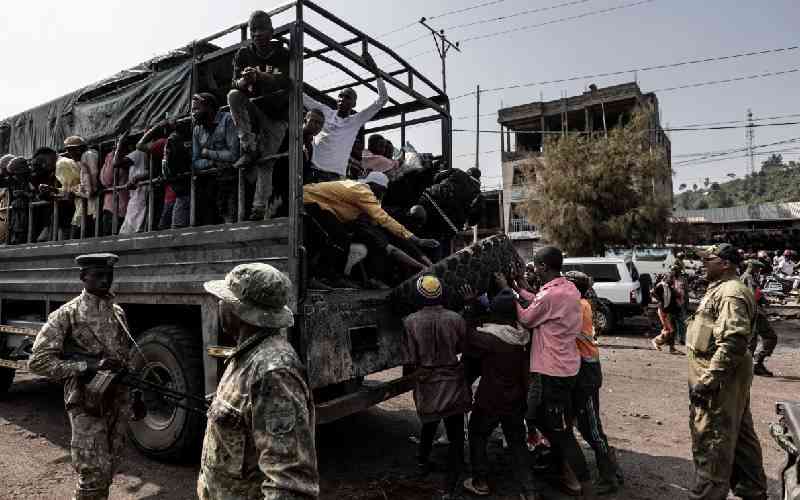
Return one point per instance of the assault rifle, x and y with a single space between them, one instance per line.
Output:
98 389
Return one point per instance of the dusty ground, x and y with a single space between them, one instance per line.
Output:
369 456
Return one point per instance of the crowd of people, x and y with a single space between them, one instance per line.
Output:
538 364
344 182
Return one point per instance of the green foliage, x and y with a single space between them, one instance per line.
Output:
593 191
776 181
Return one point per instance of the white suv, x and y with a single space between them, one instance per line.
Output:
616 284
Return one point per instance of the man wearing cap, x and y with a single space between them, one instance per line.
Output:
501 346
751 278
261 72
214 144
88 161
93 328
333 146
434 338
725 447
259 439
332 205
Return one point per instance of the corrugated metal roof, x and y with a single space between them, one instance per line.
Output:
743 213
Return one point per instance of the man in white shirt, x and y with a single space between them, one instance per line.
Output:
333 145
786 264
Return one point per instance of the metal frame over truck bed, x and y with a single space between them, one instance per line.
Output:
342 336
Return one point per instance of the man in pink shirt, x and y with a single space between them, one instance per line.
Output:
554 316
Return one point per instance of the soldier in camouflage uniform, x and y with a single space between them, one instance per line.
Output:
725 447
92 327
259 439
763 329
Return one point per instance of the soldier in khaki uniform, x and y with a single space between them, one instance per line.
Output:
259 439
725 447
93 327
763 329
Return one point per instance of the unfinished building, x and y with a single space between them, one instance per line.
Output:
525 127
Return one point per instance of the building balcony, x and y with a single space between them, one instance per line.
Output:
520 225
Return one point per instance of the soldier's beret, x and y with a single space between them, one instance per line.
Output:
91 260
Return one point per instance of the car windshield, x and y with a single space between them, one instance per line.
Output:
600 273
652 254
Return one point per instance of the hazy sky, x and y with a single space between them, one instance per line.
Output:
49 48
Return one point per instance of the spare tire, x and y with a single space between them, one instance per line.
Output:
173 358
474 266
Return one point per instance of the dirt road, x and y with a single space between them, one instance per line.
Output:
369 456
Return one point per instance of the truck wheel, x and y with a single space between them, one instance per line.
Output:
6 379
474 265
603 318
173 358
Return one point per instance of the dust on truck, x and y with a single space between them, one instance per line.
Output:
341 335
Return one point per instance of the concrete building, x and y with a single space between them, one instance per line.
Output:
523 132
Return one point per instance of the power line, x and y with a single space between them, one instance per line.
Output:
558 132
555 21
765 118
443 14
713 155
729 80
632 70
500 18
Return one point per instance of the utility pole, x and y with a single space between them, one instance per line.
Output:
750 135
443 45
478 128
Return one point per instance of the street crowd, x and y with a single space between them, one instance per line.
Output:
528 342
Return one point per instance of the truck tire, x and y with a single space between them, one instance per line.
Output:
6 379
173 358
474 265
602 317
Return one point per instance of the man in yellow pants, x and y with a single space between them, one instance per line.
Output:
725 447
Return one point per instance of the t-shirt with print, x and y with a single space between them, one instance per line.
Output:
275 93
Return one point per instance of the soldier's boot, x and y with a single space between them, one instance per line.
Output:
588 491
608 479
90 494
612 456
759 368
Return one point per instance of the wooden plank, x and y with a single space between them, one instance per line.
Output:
15 330
16 365
369 395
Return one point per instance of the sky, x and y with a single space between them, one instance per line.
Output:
49 48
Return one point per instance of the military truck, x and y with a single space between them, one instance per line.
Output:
341 335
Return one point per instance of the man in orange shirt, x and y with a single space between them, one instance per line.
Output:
586 395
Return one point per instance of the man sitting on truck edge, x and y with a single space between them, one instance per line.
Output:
260 72
434 338
342 126
259 440
333 205
93 328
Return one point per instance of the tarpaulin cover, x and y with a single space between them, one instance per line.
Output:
95 114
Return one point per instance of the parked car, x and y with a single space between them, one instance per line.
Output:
787 434
617 284
648 260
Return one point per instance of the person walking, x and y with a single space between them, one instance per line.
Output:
725 448
92 328
769 339
434 336
259 440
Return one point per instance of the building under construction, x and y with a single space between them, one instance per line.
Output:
524 128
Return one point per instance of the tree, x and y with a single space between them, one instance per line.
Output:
681 187
594 191
694 187
706 182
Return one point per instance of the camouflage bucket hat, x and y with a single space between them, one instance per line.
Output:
724 251
258 292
